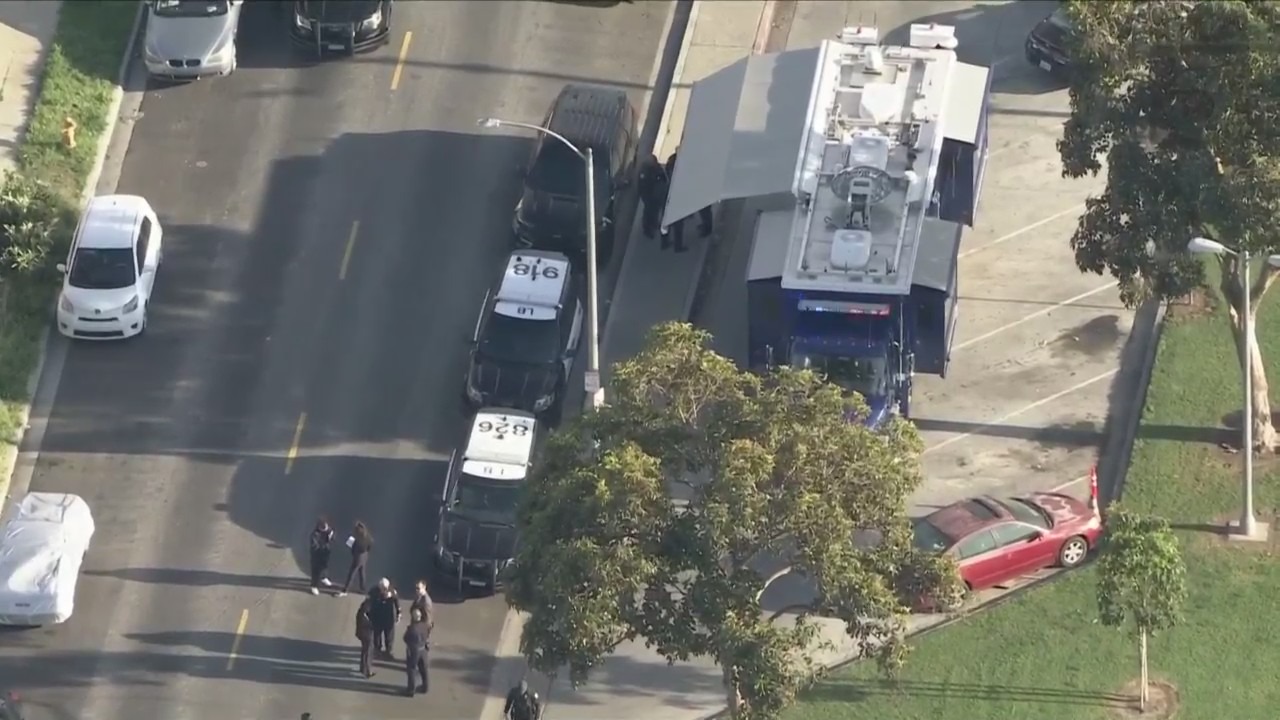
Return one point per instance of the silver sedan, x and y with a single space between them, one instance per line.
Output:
188 39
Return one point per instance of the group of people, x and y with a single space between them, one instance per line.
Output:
380 613
655 186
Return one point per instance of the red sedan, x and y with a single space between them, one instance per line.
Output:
994 540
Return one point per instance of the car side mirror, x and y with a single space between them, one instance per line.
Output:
1036 537
61 267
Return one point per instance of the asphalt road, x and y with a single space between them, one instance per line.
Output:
270 324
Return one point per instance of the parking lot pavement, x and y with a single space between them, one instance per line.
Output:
328 240
1038 344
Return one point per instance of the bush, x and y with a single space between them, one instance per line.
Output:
34 224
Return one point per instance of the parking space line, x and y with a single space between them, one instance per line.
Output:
1026 408
1020 231
235 643
1069 483
1032 316
404 52
297 440
351 244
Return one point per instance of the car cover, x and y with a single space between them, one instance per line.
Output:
41 549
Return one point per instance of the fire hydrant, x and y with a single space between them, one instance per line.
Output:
69 132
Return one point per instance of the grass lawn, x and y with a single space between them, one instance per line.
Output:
80 72
1042 655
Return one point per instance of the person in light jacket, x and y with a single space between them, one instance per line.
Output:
361 544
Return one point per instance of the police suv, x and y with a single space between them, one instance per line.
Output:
476 537
527 335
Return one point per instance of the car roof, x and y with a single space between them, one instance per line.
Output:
500 444
111 221
532 285
966 516
589 114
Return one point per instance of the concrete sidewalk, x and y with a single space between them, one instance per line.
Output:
26 30
655 286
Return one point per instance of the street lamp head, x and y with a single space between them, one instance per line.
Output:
489 122
1205 246
1273 261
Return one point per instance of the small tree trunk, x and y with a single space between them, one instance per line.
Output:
1264 433
1142 653
732 698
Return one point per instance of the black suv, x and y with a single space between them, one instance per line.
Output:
527 335
341 26
551 214
1048 42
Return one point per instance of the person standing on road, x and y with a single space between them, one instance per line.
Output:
417 638
364 633
654 185
422 602
522 703
320 550
386 615
361 544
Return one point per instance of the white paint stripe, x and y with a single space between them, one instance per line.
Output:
1069 483
1032 316
1019 411
1020 231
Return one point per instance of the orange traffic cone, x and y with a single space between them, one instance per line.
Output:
1093 488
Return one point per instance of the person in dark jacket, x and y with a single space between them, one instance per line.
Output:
422 602
361 544
385 612
706 220
416 641
654 185
364 633
320 549
522 703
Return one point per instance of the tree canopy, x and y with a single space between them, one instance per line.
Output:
1180 101
665 515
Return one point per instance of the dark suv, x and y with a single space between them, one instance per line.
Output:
340 26
1048 43
551 214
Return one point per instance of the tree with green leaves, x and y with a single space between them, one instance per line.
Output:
1141 577
1180 102
665 516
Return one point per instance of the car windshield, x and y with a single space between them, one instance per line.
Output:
927 537
478 496
865 376
191 8
338 10
521 340
102 269
1029 513
1060 20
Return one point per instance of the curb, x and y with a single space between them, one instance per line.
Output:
13 453
1118 453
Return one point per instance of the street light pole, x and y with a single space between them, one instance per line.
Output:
1248 523
592 386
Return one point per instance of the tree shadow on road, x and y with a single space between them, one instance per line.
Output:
203 578
854 691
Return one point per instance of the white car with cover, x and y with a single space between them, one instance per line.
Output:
41 550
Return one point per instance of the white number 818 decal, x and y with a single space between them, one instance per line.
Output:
525 269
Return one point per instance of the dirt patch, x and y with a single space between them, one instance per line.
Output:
1162 701
1198 303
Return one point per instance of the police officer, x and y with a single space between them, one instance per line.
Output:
416 641
364 633
705 217
385 612
522 703
423 603
654 185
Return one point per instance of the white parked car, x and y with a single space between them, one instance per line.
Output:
41 551
189 39
111 270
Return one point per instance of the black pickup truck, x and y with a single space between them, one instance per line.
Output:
1048 44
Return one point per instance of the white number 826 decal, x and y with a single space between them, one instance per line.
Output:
501 427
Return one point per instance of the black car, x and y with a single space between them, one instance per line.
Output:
341 26
551 214
527 335
477 538
1047 45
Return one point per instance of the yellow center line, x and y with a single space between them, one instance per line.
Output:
293 449
404 52
235 644
351 245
